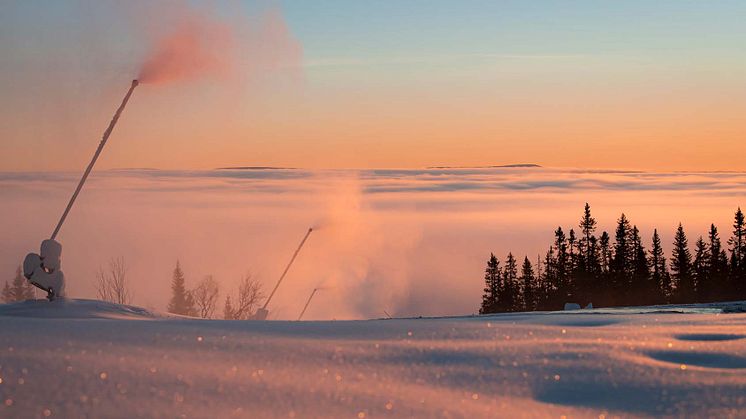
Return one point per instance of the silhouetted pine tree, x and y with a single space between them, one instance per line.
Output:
737 286
547 282
182 301
529 284
572 245
605 252
642 289
701 269
491 286
620 268
561 270
587 228
716 288
586 270
573 258
681 268
595 274
660 277
587 277
508 298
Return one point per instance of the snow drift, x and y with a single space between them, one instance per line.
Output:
80 358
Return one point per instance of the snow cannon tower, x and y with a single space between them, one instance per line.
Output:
43 270
263 312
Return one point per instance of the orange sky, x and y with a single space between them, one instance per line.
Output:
644 106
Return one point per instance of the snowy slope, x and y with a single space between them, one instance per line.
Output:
81 358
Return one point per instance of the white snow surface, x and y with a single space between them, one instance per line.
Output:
83 358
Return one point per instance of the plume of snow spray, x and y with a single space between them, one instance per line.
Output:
199 46
204 46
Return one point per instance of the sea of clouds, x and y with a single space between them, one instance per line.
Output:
408 241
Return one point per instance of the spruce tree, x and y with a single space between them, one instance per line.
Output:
620 268
716 289
681 268
19 289
529 284
587 228
547 282
182 301
589 270
6 295
592 284
738 241
701 269
491 286
561 269
659 271
508 292
605 252
642 288
572 245
737 286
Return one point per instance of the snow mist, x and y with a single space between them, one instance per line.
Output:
204 46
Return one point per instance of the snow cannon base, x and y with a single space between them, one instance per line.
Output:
261 314
43 270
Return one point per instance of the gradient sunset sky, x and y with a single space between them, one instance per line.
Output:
655 85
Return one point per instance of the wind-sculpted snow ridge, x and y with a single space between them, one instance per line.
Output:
74 309
97 361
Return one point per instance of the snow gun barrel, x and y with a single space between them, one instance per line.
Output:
287 268
307 303
101 145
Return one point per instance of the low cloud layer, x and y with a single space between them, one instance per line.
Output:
410 242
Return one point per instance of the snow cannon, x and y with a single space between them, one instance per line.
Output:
263 312
43 270
307 303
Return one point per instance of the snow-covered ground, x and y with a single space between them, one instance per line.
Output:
81 358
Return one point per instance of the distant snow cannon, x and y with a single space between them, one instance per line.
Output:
262 313
305 307
43 270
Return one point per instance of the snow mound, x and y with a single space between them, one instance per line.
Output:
94 359
701 359
64 308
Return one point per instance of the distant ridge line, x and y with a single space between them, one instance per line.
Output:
255 168
503 166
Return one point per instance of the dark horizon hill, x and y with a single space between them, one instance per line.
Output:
502 166
255 168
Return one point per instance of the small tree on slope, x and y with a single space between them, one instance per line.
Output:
182 301
206 297
228 312
18 290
